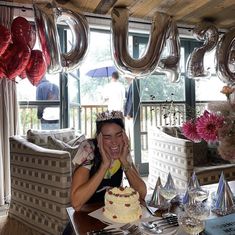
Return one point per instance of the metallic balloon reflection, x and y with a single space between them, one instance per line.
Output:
149 61
47 15
225 57
45 20
80 38
208 33
169 65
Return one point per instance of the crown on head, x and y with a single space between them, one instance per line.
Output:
109 115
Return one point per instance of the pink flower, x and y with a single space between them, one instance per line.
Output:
189 130
208 125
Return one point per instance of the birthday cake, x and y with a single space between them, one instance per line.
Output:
122 205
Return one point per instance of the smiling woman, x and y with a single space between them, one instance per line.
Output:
110 157
101 164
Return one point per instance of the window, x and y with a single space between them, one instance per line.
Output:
213 82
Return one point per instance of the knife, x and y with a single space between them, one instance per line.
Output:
104 231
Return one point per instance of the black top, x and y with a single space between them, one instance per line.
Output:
114 181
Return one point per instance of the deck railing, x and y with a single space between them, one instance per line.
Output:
154 113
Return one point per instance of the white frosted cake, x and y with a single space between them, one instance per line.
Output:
122 205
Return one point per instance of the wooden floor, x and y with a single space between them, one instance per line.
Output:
10 226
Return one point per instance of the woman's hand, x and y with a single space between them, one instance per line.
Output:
106 159
126 148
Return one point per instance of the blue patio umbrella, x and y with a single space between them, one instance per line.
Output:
102 69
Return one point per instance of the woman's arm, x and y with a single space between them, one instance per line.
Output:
134 179
130 170
82 187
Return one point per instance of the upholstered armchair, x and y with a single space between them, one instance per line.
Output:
170 152
40 181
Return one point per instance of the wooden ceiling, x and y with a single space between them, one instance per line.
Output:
185 12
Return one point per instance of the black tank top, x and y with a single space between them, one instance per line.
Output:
114 181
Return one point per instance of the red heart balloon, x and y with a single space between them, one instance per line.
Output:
22 31
23 75
36 67
5 39
16 58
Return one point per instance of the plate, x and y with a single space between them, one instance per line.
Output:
98 214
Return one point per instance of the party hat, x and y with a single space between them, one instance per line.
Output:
220 184
157 200
224 204
195 182
169 183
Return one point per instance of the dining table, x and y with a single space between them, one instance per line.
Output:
82 222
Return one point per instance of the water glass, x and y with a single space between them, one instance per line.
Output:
189 224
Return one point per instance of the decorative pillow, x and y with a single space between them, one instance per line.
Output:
54 143
76 140
40 137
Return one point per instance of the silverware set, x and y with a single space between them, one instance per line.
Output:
127 229
156 226
160 225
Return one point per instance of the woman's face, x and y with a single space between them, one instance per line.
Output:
112 139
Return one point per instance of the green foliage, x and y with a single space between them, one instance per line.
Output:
159 88
28 119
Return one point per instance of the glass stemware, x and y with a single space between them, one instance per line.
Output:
197 194
169 191
190 224
197 210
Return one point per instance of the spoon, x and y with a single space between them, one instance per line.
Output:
155 229
148 225
159 222
151 225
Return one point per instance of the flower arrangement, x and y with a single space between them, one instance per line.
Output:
215 125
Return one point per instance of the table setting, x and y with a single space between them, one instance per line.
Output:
148 224
170 211
204 210
199 208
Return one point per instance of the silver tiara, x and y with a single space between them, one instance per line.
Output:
109 115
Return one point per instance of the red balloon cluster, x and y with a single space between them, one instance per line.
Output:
17 57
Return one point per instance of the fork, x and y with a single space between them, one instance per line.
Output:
125 226
106 232
131 228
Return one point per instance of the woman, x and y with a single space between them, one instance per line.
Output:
101 162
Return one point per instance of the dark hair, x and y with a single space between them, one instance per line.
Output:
115 75
118 121
99 125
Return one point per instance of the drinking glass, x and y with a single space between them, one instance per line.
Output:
168 192
197 194
197 210
190 224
